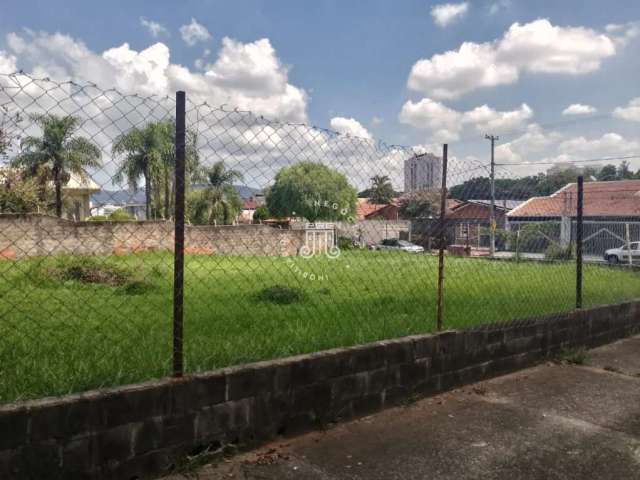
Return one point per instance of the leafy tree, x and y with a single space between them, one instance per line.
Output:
22 194
624 171
551 183
57 153
381 190
219 201
607 173
261 214
421 204
312 191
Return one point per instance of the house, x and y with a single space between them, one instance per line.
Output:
610 209
76 194
376 211
106 202
468 221
249 206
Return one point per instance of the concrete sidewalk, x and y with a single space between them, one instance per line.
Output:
554 421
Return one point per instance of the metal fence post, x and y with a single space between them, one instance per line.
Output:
441 239
579 243
178 266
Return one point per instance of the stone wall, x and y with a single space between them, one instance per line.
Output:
40 235
141 431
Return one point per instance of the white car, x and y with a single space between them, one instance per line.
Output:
621 254
403 245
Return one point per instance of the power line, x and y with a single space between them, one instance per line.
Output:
602 159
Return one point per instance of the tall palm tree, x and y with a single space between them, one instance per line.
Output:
149 153
143 151
219 199
193 171
381 189
57 153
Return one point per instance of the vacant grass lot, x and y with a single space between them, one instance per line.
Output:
71 324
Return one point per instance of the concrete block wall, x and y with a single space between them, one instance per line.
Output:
39 235
142 430
372 232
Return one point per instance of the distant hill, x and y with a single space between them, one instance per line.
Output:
128 197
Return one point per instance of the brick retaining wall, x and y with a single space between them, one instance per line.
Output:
139 431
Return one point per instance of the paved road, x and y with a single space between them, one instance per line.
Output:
540 256
548 422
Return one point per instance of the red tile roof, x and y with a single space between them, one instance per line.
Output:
365 209
601 199
250 204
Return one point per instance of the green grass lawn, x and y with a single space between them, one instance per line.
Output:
62 331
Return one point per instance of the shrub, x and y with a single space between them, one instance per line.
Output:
345 243
120 216
281 295
116 216
558 252
261 214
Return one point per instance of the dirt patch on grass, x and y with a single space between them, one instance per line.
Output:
281 295
89 270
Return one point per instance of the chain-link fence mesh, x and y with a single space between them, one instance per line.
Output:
297 239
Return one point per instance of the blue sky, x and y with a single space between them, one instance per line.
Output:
353 60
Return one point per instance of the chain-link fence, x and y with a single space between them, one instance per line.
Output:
290 239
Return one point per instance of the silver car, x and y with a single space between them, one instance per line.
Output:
621 254
403 245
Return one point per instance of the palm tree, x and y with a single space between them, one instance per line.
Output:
193 172
381 190
57 153
219 199
144 150
149 153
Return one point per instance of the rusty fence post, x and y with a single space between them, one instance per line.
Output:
579 242
178 255
441 239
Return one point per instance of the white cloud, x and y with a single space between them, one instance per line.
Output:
253 67
350 126
446 124
245 75
375 121
448 13
536 47
623 33
7 62
155 29
534 142
536 148
609 144
630 112
579 109
443 123
194 32
453 73
495 7
485 118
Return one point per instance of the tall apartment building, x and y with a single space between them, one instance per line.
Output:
422 171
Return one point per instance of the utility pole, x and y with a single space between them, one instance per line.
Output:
492 219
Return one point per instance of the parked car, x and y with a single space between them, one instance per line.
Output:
395 244
621 254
